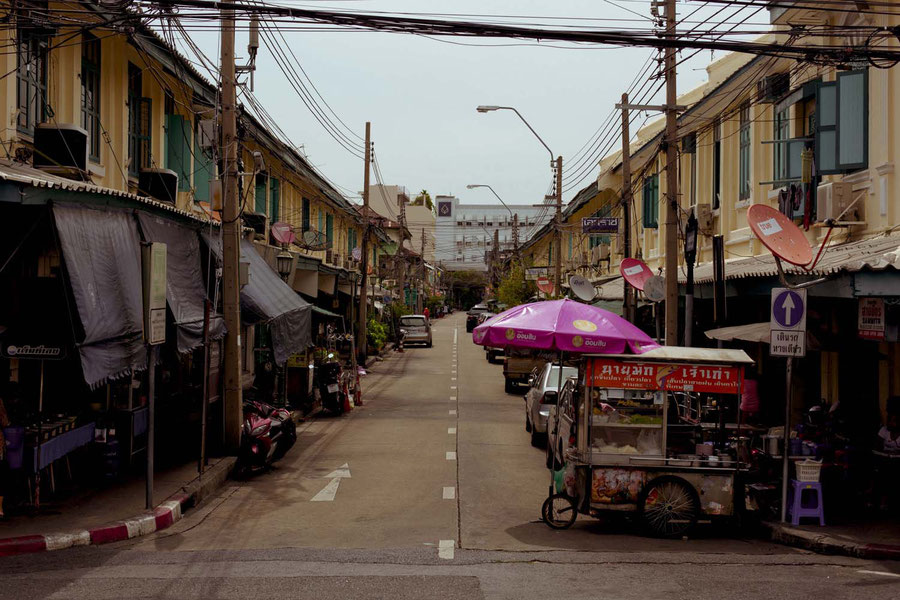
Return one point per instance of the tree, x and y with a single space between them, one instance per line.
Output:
513 289
466 287
424 199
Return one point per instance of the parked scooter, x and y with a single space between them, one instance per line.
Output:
330 388
281 417
261 437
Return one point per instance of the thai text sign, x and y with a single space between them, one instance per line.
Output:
616 374
600 225
532 273
871 318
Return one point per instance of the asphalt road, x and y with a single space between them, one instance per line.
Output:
437 496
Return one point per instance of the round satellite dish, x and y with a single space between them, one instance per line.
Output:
779 234
655 288
636 272
582 287
283 233
545 285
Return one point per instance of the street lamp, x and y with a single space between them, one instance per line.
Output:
558 164
472 186
284 262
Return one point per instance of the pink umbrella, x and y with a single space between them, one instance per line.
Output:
564 325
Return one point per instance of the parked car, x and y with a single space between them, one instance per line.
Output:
542 394
560 431
416 329
472 316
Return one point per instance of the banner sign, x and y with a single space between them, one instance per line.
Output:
32 351
616 374
871 318
533 273
600 225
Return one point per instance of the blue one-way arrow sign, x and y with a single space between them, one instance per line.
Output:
788 309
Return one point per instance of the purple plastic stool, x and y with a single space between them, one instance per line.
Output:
796 508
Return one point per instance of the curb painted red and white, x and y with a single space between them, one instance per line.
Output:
163 516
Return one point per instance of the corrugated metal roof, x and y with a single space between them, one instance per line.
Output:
17 173
875 254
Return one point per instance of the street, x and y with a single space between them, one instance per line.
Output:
438 496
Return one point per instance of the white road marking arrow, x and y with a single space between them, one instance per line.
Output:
330 491
788 305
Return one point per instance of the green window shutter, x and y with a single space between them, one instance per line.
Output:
852 120
651 202
329 229
275 197
320 220
203 172
178 153
826 128
260 195
304 220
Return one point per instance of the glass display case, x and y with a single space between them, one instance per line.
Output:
627 425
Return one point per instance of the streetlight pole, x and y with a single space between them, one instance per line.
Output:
554 162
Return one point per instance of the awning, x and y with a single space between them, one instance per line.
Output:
185 294
326 313
268 299
101 249
753 332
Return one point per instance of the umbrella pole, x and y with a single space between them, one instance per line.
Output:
550 451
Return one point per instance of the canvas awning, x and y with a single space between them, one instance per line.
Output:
101 250
753 332
185 294
268 299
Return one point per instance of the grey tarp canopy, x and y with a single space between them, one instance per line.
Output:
266 298
101 249
185 294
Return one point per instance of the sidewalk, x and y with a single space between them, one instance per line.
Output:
872 539
110 513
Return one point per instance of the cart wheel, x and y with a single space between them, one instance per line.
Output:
558 511
669 506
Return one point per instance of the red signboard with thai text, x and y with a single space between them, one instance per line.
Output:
617 374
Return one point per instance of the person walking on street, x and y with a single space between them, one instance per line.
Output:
427 313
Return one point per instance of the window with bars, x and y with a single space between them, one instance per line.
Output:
304 215
90 93
140 113
744 173
782 133
650 197
31 80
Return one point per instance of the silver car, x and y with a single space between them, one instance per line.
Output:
562 429
417 330
541 396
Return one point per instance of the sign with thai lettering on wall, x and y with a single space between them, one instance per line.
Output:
532 273
713 379
600 225
871 318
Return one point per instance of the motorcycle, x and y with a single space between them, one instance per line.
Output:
330 387
266 435
281 418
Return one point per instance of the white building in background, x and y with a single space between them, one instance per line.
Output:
465 232
387 201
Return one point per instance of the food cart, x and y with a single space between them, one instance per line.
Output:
656 434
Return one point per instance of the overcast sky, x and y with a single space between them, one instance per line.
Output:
420 95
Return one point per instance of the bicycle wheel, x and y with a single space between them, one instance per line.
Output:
558 511
669 506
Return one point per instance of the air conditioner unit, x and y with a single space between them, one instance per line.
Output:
770 89
704 215
833 198
599 253
160 184
61 149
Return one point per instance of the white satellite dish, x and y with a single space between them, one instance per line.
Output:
655 288
582 288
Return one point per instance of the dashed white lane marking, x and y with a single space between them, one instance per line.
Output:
451 456
455 333
451 431
452 387
452 398
453 379
449 493
882 573
452 411
445 549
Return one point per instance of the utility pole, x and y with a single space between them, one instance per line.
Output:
402 262
671 182
515 235
362 329
420 301
628 298
231 231
558 226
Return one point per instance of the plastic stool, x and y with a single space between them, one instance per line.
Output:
796 508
